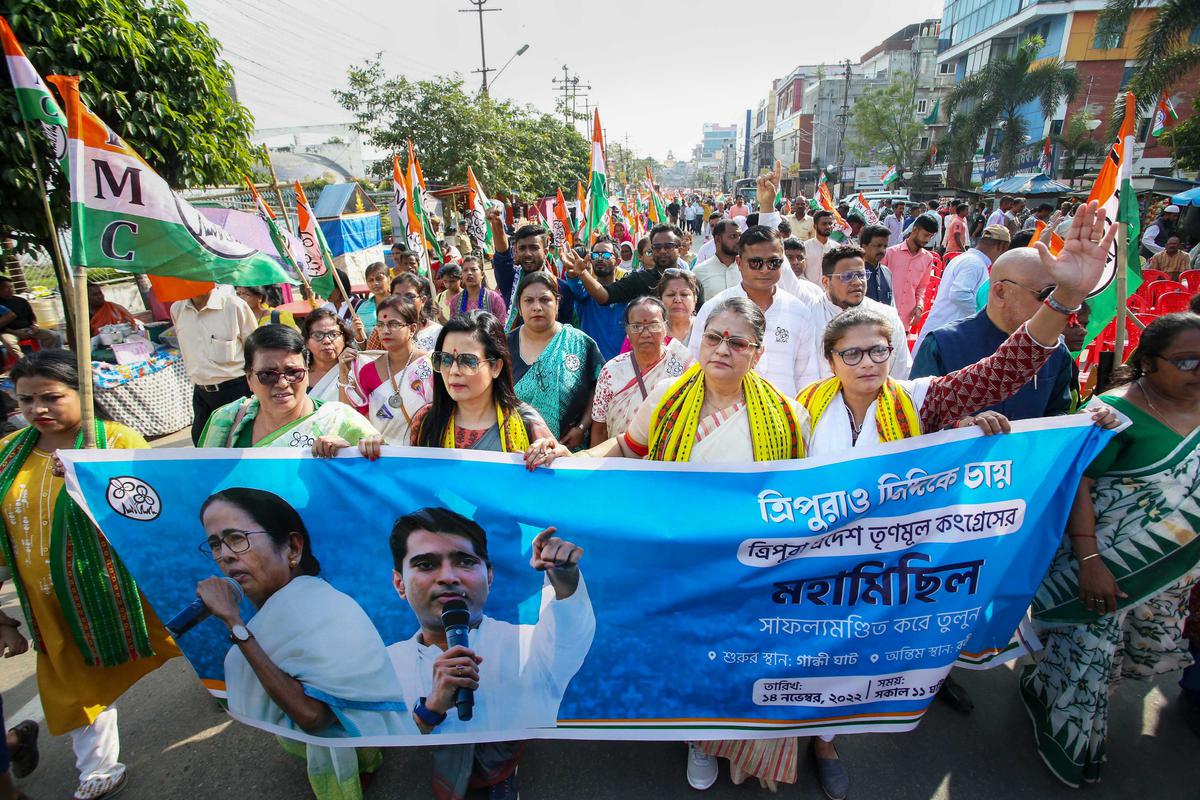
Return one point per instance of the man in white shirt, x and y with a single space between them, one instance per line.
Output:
212 329
814 248
844 278
961 280
788 347
1000 213
894 222
519 673
709 247
718 273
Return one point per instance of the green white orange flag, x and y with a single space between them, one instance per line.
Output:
320 261
1114 192
125 216
1164 115
415 210
401 230
865 209
296 260
37 105
657 210
560 227
597 190
890 175
477 224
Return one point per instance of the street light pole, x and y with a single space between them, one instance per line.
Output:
479 9
499 72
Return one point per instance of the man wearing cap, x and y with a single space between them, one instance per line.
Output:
961 280
1154 240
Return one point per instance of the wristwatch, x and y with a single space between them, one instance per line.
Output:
427 715
240 633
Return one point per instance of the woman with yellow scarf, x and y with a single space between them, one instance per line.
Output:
719 410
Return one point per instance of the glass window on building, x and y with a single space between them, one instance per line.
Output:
1102 42
1194 38
922 106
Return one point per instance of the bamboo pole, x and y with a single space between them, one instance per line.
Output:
1122 291
83 355
60 265
287 219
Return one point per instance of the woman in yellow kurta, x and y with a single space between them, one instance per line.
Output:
92 645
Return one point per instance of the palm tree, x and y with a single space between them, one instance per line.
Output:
997 92
1164 54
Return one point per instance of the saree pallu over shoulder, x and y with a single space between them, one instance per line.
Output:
774 426
513 436
896 415
1146 526
99 598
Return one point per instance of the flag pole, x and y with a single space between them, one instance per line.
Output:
60 267
287 220
1122 291
83 356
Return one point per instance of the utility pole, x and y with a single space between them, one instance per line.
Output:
570 87
479 9
842 118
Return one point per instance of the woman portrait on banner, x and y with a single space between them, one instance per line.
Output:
389 388
626 380
678 290
861 406
475 294
719 410
555 366
281 413
309 659
325 341
94 634
1114 602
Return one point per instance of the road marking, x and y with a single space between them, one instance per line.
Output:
31 710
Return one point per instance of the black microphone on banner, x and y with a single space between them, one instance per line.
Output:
196 612
456 619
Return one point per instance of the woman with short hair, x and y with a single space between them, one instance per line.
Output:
678 290
376 276
261 302
325 341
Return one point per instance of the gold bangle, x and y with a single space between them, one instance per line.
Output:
1085 558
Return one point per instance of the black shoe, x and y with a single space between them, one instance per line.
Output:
24 756
831 772
954 695
1191 711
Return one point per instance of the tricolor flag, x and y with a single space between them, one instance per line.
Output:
125 216
560 227
282 246
868 213
581 210
477 225
1113 190
34 100
890 175
1164 115
416 188
417 221
933 153
597 191
658 209
1046 163
320 260
841 228
401 233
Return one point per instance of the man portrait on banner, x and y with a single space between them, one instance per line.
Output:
519 672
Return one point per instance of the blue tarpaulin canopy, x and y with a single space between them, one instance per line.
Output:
1026 183
1189 198
351 224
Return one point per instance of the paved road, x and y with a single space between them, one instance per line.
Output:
178 743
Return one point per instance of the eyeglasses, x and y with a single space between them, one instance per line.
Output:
325 336
853 355
236 541
1182 364
644 327
392 325
413 296
270 377
602 256
851 276
665 246
757 264
1040 294
467 362
737 344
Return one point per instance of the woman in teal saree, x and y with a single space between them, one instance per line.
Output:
1114 602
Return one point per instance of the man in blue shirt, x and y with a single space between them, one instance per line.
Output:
604 323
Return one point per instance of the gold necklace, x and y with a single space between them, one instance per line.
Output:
1154 408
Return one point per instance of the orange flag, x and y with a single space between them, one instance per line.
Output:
561 227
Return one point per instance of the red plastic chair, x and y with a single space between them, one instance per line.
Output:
1191 279
1158 288
25 344
946 259
1133 334
1137 304
1152 275
1172 301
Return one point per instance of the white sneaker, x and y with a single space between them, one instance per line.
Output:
701 768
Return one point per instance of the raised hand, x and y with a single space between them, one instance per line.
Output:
1079 265
575 265
768 187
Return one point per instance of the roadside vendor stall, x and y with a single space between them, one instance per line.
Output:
151 394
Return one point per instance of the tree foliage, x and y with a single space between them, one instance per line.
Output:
512 150
993 97
1184 140
1077 142
147 70
885 127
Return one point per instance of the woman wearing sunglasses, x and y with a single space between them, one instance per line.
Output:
1115 599
281 413
325 338
718 410
389 388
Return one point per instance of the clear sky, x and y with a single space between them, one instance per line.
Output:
658 70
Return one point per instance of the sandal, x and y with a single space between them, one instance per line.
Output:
101 788
24 756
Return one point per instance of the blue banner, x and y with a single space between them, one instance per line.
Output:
709 601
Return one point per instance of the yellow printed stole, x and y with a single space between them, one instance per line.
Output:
513 436
774 428
896 417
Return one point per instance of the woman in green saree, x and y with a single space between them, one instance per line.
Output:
281 413
1114 602
555 366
